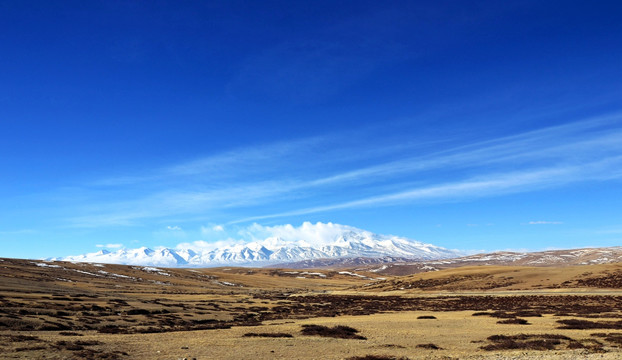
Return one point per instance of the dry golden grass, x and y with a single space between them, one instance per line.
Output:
76 311
459 334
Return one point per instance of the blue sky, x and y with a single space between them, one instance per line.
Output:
481 125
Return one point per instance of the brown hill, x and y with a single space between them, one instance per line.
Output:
550 258
506 278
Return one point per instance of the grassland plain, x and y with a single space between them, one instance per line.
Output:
59 310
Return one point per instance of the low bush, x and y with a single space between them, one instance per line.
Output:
69 333
517 321
613 338
532 342
339 331
376 357
578 324
269 335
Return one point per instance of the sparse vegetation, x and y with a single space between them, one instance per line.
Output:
423 317
339 331
538 342
30 348
269 335
613 338
527 313
482 313
20 338
59 315
69 333
587 324
377 357
517 321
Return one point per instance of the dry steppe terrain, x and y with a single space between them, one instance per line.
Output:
61 310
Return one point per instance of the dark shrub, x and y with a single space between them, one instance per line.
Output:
587 324
531 342
69 333
269 335
376 357
514 321
339 331
138 312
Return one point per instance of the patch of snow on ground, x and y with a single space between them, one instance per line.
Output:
353 274
430 268
313 274
47 265
86 272
152 270
383 267
149 269
545 259
159 282
116 275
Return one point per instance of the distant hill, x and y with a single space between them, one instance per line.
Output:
550 258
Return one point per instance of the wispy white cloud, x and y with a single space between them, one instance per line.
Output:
174 228
569 143
492 185
212 229
202 245
320 169
542 222
110 246
222 166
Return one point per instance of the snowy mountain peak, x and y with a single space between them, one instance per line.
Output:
308 242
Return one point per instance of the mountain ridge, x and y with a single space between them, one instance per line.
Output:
350 243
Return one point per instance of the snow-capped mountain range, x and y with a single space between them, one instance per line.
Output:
349 243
